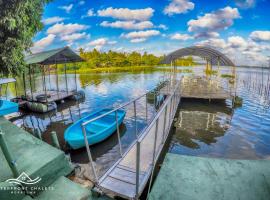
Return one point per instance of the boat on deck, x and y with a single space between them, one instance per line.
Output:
96 131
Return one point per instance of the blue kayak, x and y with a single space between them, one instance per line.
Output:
96 131
8 107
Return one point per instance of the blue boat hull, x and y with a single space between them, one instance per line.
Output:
96 131
7 107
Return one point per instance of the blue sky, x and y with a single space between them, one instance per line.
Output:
238 28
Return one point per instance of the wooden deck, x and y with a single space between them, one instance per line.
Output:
121 178
203 88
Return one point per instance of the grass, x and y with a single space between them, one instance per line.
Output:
125 69
227 76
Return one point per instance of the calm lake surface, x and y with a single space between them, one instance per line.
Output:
203 128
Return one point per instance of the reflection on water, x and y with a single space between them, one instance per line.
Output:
207 129
216 130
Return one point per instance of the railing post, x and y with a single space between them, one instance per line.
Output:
146 109
164 124
155 142
89 154
137 168
118 134
135 120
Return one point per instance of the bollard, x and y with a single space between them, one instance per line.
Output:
8 156
55 141
37 134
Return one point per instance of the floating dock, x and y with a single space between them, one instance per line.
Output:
192 178
205 88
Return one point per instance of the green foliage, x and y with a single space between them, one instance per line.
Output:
185 61
95 59
227 76
210 72
20 20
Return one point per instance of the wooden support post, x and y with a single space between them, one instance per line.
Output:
8 155
55 141
24 84
57 85
66 78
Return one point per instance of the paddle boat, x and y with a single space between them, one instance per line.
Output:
96 131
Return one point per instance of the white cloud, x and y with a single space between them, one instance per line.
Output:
140 34
245 3
75 36
137 40
178 7
128 25
64 29
162 26
127 14
178 36
43 43
260 36
66 8
206 35
214 21
90 13
100 43
81 3
237 42
52 20
245 50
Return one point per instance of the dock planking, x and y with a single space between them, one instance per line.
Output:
120 179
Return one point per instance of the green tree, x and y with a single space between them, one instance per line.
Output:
20 20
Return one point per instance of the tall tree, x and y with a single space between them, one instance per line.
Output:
20 20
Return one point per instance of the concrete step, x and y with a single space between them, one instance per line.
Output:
33 156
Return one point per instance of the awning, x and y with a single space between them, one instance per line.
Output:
7 80
55 56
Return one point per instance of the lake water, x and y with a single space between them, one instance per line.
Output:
204 129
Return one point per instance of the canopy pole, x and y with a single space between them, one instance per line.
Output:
45 87
57 86
50 77
65 67
24 84
30 78
75 71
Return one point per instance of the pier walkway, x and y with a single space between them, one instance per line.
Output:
129 175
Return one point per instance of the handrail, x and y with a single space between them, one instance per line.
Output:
172 87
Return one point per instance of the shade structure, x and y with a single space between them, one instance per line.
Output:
211 55
55 56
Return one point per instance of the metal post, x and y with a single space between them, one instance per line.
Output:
137 169
37 132
29 69
24 84
57 85
10 160
55 141
154 155
146 109
135 119
45 87
66 78
118 134
164 128
89 154
75 71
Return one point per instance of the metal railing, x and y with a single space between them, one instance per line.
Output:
168 106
